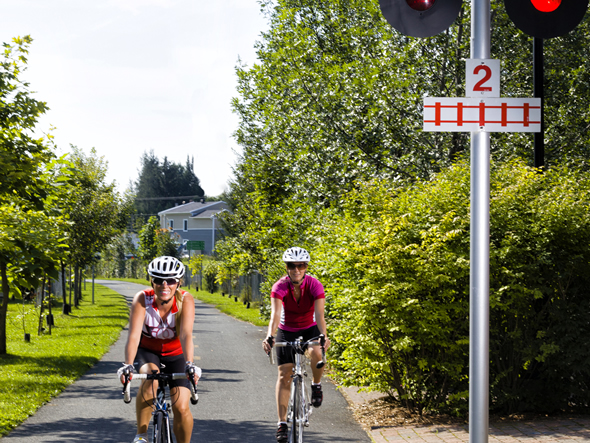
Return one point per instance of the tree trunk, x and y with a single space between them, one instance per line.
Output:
40 328
81 281
49 302
3 308
64 309
76 285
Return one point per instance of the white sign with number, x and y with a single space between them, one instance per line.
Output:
482 78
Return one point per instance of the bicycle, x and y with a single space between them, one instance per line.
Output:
299 409
161 414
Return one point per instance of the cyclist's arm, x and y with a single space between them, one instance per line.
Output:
276 307
319 307
186 332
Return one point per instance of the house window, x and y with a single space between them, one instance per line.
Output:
185 225
171 224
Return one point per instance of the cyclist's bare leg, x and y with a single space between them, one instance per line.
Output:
316 356
283 390
145 399
183 418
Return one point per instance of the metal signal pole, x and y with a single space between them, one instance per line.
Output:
539 91
479 280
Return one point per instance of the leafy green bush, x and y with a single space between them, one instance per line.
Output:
396 269
539 280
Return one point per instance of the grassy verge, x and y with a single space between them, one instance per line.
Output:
34 372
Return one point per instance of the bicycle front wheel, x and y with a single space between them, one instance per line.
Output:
297 417
160 428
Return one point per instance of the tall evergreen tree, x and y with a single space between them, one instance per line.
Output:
162 184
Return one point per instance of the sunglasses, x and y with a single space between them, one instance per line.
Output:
300 266
160 281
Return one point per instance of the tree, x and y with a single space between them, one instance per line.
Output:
155 241
95 209
32 231
336 98
159 182
21 155
148 248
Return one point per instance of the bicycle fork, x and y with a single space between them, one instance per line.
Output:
162 407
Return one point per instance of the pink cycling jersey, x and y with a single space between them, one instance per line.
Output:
298 315
159 335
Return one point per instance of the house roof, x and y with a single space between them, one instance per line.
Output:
208 213
197 209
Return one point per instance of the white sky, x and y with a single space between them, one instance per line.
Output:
129 76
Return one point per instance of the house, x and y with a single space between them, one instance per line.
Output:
195 221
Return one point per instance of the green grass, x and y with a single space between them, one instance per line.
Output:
34 372
224 304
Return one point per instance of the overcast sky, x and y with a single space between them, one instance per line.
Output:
130 76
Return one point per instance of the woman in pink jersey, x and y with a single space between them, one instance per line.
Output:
297 310
161 332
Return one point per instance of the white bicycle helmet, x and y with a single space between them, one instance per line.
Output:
166 267
296 254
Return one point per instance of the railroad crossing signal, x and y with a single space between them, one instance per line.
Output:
546 18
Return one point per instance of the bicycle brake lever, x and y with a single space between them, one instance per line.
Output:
194 394
271 341
126 391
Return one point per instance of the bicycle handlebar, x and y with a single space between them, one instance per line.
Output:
300 345
159 376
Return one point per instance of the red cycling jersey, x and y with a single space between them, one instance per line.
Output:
159 335
298 315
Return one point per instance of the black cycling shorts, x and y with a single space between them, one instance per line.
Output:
286 354
167 365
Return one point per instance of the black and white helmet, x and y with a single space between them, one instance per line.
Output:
296 254
166 267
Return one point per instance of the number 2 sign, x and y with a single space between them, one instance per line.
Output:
482 78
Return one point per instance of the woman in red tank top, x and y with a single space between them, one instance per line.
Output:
161 332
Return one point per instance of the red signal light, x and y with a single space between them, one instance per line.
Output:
420 5
546 5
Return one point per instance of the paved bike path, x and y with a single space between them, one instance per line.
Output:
236 393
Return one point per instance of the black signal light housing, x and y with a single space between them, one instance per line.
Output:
546 18
420 18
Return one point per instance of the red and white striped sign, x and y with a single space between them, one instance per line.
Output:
465 114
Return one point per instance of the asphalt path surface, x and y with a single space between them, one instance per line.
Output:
236 393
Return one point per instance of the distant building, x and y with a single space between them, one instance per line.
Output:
195 221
